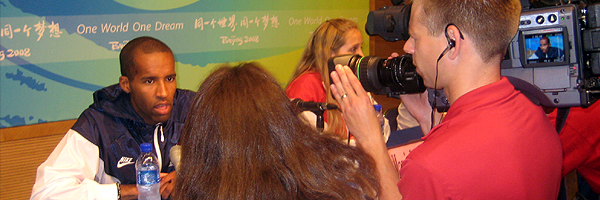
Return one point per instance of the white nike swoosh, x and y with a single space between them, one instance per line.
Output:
120 164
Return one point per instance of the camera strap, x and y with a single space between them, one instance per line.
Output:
561 118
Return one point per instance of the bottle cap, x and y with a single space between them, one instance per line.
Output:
377 107
146 147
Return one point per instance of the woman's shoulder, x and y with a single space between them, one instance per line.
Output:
309 76
307 79
307 86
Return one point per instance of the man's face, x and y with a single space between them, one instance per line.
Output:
544 45
153 86
424 48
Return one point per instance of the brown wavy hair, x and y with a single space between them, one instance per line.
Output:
243 139
327 39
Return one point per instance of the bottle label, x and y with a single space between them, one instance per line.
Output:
148 177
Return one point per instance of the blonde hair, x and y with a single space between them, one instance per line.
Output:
327 40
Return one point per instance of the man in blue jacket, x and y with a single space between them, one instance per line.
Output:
548 53
96 158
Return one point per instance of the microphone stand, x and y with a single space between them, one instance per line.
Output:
320 119
319 112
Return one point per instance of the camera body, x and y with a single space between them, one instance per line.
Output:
389 22
379 76
548 53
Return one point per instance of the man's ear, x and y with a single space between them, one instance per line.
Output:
124 83
457 39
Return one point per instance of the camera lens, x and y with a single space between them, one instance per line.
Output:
380 76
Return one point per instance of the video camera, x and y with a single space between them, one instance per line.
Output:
395 76
557 49
564 76
380 76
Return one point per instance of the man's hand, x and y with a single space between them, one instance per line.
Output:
167 183
419 108
129 192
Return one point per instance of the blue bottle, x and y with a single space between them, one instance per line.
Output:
147 174
379 115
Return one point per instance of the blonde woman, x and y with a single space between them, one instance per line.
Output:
310 81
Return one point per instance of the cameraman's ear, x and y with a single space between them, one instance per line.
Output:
456 38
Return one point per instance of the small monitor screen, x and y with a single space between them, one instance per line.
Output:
544 47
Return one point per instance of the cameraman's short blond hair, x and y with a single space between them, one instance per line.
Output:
490 23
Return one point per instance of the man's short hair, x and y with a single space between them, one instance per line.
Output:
491 23
144 44
545 38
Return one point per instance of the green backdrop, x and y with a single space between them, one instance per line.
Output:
55 53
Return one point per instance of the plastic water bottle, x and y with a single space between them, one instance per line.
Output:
147 174
379 115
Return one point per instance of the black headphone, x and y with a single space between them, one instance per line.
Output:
451 42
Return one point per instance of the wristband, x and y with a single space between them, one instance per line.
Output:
118 191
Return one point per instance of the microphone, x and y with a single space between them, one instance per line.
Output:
313 106
175 155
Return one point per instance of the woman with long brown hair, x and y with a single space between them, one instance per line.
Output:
243 139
